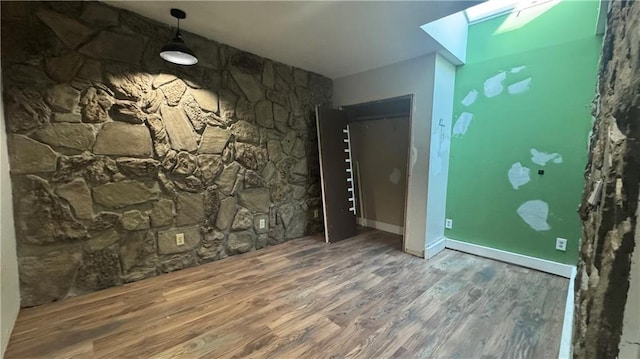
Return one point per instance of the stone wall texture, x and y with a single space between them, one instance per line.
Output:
114 151
610 217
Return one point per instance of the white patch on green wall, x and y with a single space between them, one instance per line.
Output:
515 70
541 158
535 214
519 175
470 98
395 176
462 124
519 87
493 85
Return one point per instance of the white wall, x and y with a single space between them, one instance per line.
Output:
404 78
9 287
444 82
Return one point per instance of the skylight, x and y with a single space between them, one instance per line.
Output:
493 8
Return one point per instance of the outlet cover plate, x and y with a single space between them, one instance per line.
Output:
561 244
262 223
180 239
448 223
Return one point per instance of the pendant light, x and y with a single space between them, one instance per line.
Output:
176 51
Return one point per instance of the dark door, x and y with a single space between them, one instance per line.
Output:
336 174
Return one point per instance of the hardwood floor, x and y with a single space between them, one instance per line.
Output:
360 298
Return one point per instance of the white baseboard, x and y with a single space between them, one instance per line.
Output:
385 227
567 326
435 247
543 265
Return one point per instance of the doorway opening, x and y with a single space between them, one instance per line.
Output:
364 161
380 137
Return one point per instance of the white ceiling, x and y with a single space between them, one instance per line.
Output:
332 38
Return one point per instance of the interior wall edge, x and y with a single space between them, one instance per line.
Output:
9 282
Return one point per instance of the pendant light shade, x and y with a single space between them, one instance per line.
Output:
176 51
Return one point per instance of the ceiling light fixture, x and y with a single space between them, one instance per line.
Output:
176 51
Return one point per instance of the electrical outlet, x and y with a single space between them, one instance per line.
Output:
448 223
316 213
561 244
262 223
180 239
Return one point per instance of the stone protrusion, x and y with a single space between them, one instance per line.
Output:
162 213
102 240
214 140
173 91
70 31
167 240
63 98
48 277
134 220
122 139
115 46
240 242
206 99
143 167
190 208
64 68
210 167
249 85
255 199
242 220
96 104
75 136
125 193
78 195
30 156
246 132
227 179
25 109
227 213
264 114
181 133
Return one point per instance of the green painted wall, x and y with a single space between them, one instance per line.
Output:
560 53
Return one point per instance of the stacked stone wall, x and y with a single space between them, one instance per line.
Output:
114 151
610 202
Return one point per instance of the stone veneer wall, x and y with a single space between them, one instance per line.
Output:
609 223
113 150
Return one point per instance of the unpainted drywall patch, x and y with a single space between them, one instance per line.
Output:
462 124
541 158
519 175
414 158
395 176
519 87
515 70
470 98
435 166
535 214
493 85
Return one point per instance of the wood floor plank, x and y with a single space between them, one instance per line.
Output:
359 298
